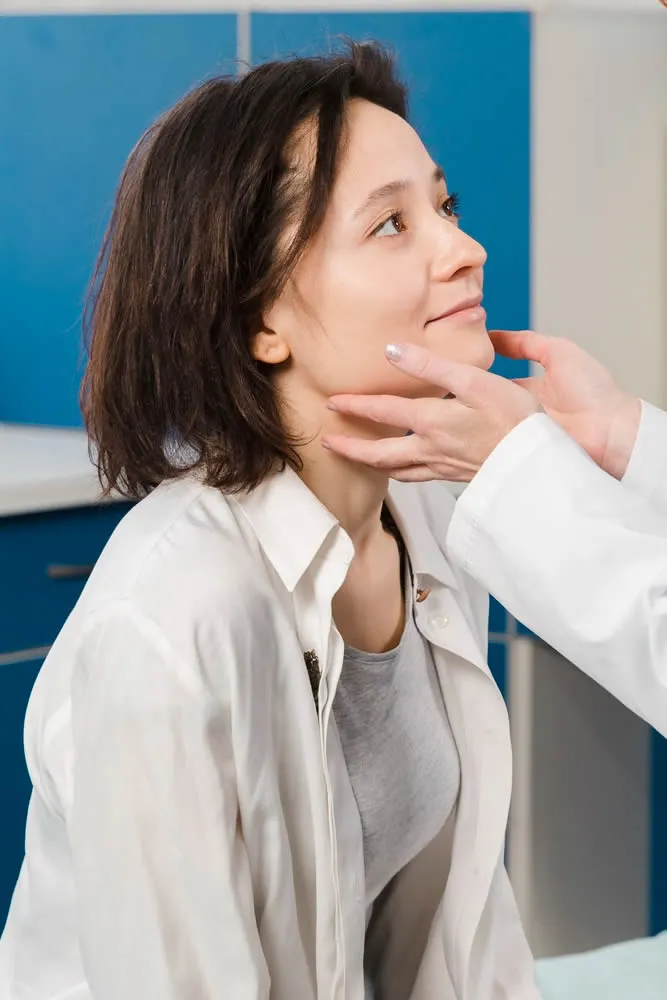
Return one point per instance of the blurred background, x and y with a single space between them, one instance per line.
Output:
550 119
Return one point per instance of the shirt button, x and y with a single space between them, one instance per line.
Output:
438 621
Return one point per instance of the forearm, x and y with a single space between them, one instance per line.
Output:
646 472
576 556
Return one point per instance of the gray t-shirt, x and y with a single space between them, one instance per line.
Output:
401 757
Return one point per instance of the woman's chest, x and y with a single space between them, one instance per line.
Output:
400 753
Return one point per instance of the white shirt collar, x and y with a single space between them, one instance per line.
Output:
292 525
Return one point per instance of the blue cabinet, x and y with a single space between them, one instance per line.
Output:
76 93
497 657
498 618
45 559
658 834
16 683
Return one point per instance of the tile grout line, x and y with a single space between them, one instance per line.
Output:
243 40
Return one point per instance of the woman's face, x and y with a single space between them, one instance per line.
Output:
390 264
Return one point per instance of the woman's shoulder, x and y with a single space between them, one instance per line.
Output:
182 535
175 608
181 562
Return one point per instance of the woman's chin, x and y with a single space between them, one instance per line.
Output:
488 358
479 353
477 348
470 346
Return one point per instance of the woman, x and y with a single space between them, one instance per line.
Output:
268 756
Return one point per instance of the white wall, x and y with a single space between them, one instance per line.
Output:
599 225
579 826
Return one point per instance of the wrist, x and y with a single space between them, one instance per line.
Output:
622 436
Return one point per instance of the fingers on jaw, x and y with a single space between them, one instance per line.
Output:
520 344
393 411
386 454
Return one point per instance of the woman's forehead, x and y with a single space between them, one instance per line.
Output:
381 151
373 140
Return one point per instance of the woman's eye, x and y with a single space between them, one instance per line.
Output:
450 207
391 226
395 224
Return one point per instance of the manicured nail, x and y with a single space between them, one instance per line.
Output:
394 352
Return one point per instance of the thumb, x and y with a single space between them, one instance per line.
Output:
466 382
529 383
522 344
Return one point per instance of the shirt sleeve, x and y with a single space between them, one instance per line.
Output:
646 473
576 556
165 901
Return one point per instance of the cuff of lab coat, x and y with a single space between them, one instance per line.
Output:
506 461
646 473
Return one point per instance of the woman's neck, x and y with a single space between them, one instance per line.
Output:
353 494
369 608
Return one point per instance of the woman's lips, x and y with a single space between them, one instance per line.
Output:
468 314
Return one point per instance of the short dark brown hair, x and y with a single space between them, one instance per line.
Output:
193 255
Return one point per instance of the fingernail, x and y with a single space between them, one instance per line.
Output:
331 406
394 352
325 444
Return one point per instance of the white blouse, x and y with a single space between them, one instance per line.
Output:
192 831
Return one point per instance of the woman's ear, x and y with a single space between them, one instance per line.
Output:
270 347
271 343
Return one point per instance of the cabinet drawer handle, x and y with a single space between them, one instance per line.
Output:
56 571
23 656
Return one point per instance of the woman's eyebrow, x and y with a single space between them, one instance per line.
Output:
392 188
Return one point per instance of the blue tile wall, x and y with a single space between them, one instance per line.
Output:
75 94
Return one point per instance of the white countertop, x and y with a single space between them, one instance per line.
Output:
45 468
48 468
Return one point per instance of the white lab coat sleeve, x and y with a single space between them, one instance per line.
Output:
646 473
165 903
574 555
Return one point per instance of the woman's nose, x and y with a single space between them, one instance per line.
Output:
456 252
